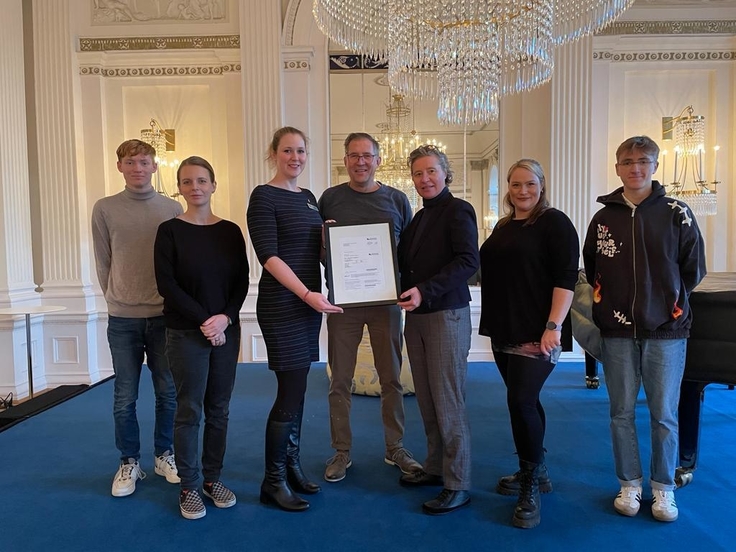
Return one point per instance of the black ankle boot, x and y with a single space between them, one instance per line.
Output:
275 489
509 485
527 512
294 473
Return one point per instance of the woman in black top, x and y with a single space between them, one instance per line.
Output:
286 230
529 269
202 274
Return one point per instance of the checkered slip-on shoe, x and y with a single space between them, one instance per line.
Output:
220 494
191 505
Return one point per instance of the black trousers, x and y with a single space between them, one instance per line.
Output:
524 378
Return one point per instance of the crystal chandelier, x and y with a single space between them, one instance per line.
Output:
689 130
397 140
465 53
163 141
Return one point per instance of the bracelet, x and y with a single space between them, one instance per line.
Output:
304 298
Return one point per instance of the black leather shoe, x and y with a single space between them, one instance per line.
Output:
446 502
421 479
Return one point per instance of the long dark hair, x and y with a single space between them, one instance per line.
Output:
542 205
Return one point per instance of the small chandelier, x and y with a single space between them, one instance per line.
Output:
163 141
465 53
397 140
689 131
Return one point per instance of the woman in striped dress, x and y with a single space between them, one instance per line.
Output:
286 231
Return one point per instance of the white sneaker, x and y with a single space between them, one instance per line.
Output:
128 474
664 507
628 501
165 466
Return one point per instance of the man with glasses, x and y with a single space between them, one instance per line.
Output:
643 256
365 200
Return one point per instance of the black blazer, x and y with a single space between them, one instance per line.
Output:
441 260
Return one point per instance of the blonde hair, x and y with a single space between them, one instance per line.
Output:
542 205
273 147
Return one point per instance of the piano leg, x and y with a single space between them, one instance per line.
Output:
591 372
691 402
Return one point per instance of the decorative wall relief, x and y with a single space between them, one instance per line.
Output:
106 12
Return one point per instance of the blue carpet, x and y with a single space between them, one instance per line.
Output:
58 467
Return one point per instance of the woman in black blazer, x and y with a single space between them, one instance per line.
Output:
438 253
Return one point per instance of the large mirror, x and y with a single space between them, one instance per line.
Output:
361 100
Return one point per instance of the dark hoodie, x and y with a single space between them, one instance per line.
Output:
643 262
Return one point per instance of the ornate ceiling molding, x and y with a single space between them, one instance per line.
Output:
167 71
663 56
669 28
139 43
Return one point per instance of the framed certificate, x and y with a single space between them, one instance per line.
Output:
362 269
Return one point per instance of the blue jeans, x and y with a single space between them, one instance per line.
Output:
659 364
130 339
204 377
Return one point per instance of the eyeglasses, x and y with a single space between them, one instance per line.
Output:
355 157
640 162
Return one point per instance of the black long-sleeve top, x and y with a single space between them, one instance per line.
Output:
200 271
520 266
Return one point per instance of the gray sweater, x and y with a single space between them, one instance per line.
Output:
346 206
123 232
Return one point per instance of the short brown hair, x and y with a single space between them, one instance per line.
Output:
362 136
643 144
196 161
131 148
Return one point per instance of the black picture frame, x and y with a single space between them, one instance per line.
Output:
362 266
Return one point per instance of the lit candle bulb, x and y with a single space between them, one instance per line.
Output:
674 178
664 167
701 175
715 163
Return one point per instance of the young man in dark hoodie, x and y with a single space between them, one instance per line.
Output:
643 255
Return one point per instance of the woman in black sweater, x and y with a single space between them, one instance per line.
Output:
202 274
529 268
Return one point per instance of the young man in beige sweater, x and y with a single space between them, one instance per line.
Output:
123 231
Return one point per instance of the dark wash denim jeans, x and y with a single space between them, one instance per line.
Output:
204 377
130 339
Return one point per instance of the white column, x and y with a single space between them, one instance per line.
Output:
16 261
569 173
59 151
260 53
71 338
260 31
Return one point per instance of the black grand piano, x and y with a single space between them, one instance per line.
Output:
711 358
